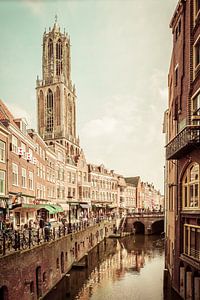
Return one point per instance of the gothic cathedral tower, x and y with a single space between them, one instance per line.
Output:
55 94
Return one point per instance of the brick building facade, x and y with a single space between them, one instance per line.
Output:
182 152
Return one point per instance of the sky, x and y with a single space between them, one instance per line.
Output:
120 57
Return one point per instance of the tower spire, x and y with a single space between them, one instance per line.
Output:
56 18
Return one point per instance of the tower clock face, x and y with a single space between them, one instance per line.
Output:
49 111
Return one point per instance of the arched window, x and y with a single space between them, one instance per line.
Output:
41 108
58 57
49 111
190 187
50 49
59 50
57 102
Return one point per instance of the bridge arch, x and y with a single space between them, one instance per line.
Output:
157 227
139 227
4 292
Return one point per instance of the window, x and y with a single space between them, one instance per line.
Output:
14 144
197 6
50 49
23 127
30 180
58 57
190 187
2 182
43 172
79 176
69 177
85 177
2 151
23 178
191 246
197 53
49 110
196 105
30 151
23 146
14 174
59 49
73 178
74 192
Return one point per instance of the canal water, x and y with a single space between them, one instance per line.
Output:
129 268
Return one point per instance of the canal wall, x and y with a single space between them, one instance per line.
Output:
74 281
32 273
145 224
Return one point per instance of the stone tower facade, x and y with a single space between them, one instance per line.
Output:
56 96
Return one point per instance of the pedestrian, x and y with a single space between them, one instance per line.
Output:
47 232
41 223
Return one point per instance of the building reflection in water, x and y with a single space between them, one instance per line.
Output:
128 268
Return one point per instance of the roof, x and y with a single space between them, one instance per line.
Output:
5 113
133 180
176 13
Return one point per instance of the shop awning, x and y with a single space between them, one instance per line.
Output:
26 205
73 203
84 205
98 205
50 208
112 206
57 208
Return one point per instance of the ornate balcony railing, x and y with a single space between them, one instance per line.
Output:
184 142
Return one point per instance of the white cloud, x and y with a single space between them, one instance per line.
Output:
127 136
99 127
19 112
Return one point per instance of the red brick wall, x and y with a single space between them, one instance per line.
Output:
18 270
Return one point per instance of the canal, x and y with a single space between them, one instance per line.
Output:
126 268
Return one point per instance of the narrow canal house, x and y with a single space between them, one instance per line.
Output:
182 173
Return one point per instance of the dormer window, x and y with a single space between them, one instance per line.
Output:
23 127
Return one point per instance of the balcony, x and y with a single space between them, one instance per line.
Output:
184 142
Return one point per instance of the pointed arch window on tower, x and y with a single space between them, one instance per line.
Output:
50 49
41 108
49 111
59 50
70 119
58 57
57 103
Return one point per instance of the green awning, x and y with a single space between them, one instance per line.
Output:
26 205
50 208
58 208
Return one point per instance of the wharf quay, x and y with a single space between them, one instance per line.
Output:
30 273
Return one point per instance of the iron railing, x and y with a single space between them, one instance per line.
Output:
183 142
19 240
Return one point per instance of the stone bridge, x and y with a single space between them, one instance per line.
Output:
145 223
